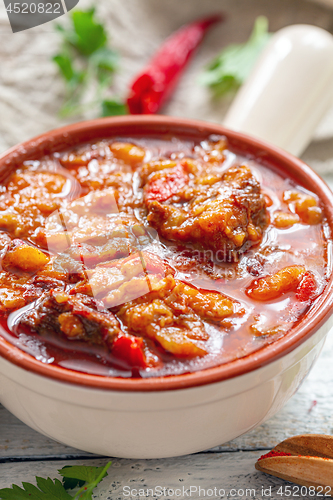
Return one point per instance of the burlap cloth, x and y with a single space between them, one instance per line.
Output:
31 91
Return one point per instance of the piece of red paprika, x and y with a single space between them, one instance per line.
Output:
274 453
154 85
130 349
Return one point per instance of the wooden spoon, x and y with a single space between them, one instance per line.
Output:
310 463
314 445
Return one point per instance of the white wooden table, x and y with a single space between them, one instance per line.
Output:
24 453
30 95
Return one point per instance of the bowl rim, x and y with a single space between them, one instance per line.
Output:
269 155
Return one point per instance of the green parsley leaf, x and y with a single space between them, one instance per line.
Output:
105 62
111 107
86 63
65 65
105 58
89 35
72 77
83 473
46 490
91 476
70 483
234 64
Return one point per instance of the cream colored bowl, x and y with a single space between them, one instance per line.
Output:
164 416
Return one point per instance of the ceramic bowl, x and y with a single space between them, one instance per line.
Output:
176 415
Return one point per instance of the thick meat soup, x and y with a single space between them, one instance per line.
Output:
155 257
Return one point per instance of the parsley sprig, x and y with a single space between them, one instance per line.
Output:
77 476
87 65
233 65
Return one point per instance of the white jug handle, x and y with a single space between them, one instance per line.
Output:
288 91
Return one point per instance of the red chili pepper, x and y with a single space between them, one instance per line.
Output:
152 87
130 349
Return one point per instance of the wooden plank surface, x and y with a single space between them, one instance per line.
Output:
230 474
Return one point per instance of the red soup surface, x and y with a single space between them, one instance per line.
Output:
155 257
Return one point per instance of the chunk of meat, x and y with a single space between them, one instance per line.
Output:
181 336
75 317
140 262
64 268
100 169
86 219
48 283
11 291
125 279
16 291
92 221
100 281
130 290
211 306
154 166
30 197
223 217
98 242
172 316
24 257
305 206
122 241
92 255
272 287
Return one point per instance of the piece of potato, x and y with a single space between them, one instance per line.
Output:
128 152
272 287
305 206
24 257
11 299
284 220
176 341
